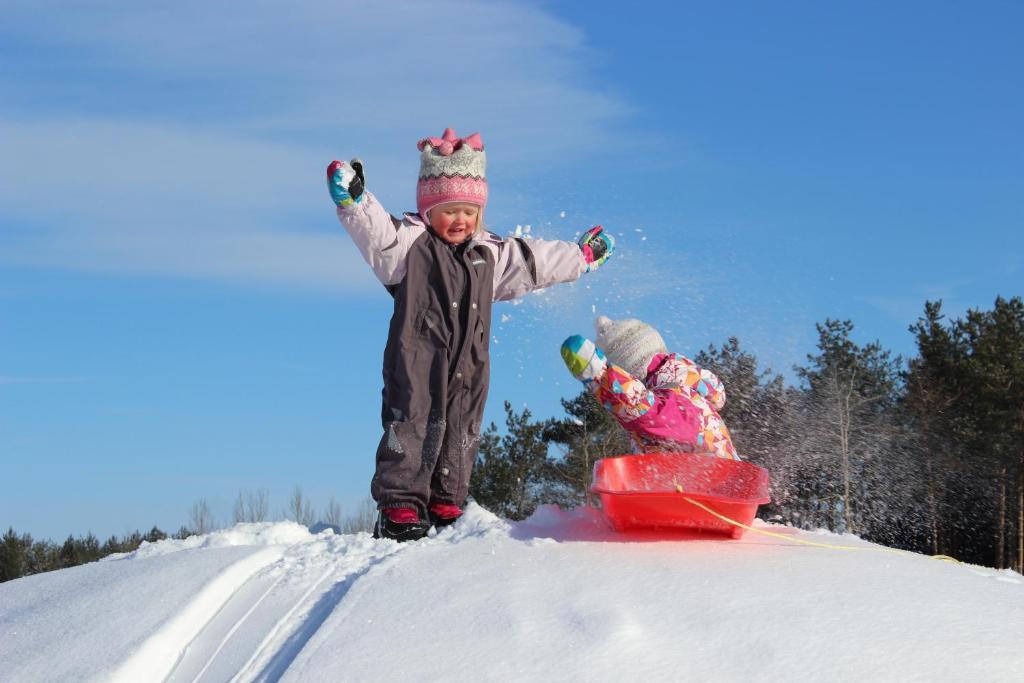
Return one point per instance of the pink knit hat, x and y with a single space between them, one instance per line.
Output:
452 169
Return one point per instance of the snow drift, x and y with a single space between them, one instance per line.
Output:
555 597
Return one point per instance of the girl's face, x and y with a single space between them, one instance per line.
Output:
454 222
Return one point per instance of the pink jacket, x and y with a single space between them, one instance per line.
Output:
674 408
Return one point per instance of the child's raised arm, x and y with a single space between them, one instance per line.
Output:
382 239
525 265
624 395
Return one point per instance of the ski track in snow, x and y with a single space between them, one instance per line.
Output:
253 620
160 652
249 625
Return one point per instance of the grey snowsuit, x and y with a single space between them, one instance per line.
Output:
436 365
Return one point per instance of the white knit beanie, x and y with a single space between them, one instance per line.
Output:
629 343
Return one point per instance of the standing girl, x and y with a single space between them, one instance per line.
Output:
443 271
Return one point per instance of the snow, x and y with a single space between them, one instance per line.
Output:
558 596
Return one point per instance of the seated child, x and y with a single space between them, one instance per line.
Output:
664 400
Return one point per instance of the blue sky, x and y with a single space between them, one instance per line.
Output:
181 316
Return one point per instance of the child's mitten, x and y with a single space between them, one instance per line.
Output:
346 182
585 361
597 246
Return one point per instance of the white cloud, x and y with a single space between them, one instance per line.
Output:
190 139
151 200
322 262
104 168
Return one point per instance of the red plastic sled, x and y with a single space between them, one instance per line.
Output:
649 491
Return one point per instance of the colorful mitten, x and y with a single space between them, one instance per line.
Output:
597 246
345 182
585 361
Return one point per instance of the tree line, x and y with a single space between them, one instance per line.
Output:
924 454
22 555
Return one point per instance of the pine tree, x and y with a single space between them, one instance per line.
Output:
965 398
90 546
43 556
154 535
587 434
935 383
70 553
508 475
995 369
13 555
111 546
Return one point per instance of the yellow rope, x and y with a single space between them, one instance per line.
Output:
831 546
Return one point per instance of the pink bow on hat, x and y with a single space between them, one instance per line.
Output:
449 142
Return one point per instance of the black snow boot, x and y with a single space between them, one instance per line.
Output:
400 531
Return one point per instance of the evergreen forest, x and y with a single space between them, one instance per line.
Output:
924 454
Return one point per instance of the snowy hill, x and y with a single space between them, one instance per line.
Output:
557 597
